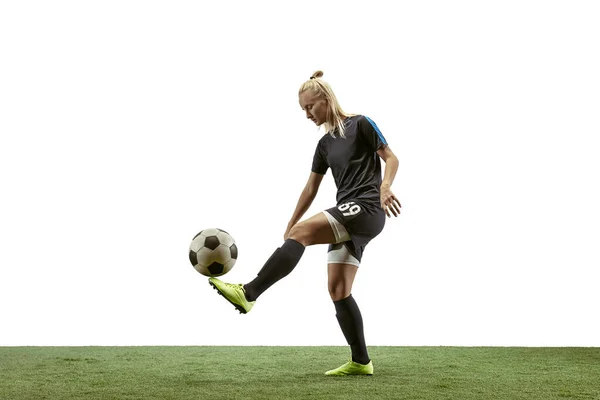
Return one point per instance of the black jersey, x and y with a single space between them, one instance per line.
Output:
354 161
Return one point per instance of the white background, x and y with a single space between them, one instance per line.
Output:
129 126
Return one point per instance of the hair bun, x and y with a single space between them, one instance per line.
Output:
317 74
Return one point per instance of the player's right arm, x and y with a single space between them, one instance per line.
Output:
306 198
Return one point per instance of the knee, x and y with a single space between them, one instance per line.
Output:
300 234
338 291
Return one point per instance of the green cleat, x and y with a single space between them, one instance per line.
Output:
352 368
235 294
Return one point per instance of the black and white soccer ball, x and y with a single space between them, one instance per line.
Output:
213 252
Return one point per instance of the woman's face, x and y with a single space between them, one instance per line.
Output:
315 107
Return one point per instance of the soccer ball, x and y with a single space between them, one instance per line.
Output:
213 252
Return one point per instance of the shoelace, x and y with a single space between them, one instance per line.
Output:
235 285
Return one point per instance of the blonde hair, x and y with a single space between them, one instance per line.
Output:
335 115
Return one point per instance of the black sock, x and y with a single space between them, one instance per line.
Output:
350 319
280 264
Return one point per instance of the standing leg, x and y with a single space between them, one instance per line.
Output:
341 278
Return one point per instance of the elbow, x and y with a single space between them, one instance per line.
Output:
392 159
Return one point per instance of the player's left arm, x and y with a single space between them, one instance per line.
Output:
389 202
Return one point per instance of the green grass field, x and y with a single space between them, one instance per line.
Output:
297 373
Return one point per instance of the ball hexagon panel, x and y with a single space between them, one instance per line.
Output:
202 270
228 265
205 256
225 238
222 254
197 243
210 232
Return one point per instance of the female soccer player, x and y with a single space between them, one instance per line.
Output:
351 147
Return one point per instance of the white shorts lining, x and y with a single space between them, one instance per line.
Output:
339 231
341 256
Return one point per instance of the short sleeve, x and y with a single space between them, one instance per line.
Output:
319 164
371 133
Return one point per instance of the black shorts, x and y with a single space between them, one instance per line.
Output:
362 225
